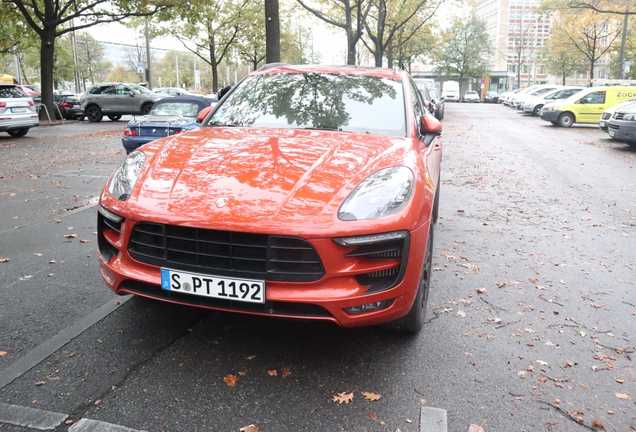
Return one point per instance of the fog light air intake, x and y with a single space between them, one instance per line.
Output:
391 246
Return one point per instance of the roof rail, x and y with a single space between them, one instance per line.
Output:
271 65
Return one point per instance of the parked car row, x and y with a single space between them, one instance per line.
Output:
613 108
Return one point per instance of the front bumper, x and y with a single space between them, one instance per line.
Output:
551 116
9 122
324 299
622 130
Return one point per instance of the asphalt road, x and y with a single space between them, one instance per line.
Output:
532 314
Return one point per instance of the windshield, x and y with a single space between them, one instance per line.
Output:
315 101
184 109
11 92
562 94
140 89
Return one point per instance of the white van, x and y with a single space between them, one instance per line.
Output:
450 91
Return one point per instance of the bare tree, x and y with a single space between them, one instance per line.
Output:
348 15
593 38
388 18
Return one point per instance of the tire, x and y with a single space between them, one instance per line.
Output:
566 120
413 322
436 203
145 108
114 117
17 133
94 113
536 110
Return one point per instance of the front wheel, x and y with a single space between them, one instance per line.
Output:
536 109
114 117
94 114
413 322
145 108
566 120
16 133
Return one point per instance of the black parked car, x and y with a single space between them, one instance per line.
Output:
69 106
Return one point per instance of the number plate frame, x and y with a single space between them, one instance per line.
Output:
212 286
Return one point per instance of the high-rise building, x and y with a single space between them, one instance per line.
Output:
518 30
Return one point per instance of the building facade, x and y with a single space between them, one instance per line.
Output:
518 30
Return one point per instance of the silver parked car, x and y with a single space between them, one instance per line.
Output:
117 99
17 111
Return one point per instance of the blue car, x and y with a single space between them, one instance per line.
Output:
169 116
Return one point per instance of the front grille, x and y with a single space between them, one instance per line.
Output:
619 115
270 307
225 253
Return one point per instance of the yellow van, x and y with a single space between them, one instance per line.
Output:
587 105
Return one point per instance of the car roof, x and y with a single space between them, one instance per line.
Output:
195 99
278 68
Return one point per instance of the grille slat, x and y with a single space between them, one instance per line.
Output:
225 253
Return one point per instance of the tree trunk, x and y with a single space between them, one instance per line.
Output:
563 78
47 60
351 49
389 56
591 72
378 56
272 32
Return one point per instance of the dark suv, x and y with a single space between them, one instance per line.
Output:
117 99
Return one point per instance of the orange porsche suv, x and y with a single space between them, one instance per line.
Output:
310 192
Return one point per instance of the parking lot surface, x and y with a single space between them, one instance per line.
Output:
532 314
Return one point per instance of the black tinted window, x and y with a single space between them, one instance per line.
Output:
316 100
10 92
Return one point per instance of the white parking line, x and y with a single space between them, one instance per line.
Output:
48 347
30 417
49 420
433 420
88 425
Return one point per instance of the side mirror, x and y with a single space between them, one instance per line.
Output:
203 114
429 125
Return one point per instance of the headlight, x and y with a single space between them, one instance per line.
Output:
125 177
629 117
381 194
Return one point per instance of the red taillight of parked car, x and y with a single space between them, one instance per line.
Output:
131 132
3 104
67 105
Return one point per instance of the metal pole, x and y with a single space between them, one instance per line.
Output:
75 62
176 60
621 56
17 68
148 55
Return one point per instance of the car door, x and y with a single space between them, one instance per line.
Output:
125 102
430 150
591 106
107 99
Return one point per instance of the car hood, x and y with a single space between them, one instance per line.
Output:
238 177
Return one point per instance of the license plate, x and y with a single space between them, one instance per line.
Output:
219 287
611 132
76 106
19 110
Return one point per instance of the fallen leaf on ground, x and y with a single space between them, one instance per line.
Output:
475 428
371 396
4 260
342 398
623 396
596 423
37 254
70 236
3 354
84 241
618 380
481 290
286 372
230 380
40 383
461 314
249 428
272 372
